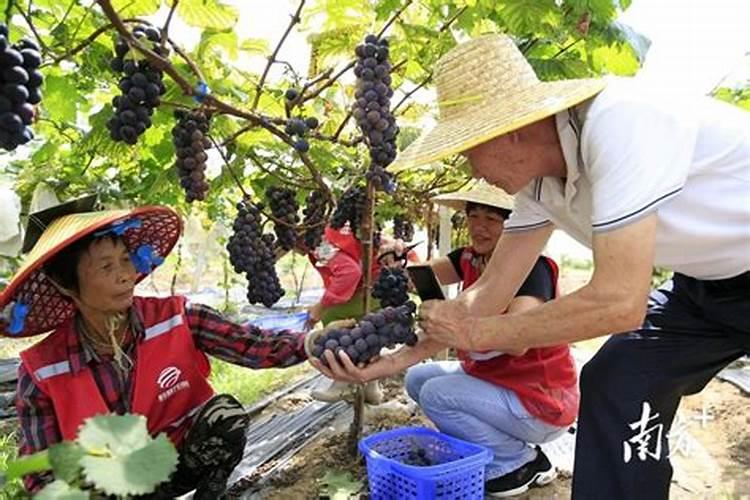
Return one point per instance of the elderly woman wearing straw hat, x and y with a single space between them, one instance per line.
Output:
494 399
113 352
644 180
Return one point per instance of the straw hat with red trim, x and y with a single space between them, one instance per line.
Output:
481 192
31 304
486 88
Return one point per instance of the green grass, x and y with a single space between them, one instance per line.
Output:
250 385
8 452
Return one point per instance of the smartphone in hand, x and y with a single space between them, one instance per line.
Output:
425 281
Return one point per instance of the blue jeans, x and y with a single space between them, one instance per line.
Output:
479 412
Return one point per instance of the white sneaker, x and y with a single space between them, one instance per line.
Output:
336 391
373 394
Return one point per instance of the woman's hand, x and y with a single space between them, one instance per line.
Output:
447 322
315 313
311 336
343 370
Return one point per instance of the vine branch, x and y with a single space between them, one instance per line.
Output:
393 18
229 167
412 92
165 29
272 58
27 17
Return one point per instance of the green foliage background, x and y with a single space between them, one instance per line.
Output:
73 152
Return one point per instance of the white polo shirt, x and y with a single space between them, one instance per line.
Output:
630 152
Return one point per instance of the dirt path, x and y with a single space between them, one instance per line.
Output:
713 463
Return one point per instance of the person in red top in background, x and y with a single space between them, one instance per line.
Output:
113 352
494 399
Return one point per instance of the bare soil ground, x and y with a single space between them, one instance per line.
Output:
713 462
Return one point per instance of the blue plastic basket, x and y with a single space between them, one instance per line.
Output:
458 472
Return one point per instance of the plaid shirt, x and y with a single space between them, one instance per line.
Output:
241 345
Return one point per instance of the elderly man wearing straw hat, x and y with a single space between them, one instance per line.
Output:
111 352
641 179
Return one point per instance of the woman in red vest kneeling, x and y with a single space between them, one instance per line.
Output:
113 352
501 401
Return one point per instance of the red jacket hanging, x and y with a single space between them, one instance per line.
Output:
170 375
543 378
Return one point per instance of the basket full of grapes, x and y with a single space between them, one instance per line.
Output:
422 463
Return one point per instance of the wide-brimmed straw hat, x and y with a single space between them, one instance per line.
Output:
486 88
31 304
481 193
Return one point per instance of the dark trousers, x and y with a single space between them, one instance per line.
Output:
211 449
631 388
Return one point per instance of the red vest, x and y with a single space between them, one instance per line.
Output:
544 378
170 379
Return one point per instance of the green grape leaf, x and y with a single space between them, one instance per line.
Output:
339 485
65 459
136 8
60 490
113 435
37 462
207 14
60 96
133 473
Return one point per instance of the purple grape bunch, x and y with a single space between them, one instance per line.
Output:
298 127
20 89
141 86
350 208
314 218
251 252
284 208
190 139
403 229
387 327
391 287
372 108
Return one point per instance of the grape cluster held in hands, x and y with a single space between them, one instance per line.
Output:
387 327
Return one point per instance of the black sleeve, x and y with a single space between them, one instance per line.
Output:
540 282
455 258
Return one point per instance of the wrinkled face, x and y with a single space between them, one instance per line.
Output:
106 276
485 228
505 162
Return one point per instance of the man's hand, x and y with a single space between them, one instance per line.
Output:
447 322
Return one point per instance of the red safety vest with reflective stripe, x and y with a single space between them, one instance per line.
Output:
544 378
170 373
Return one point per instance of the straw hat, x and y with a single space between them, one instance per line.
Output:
480 192
486 88
32 301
